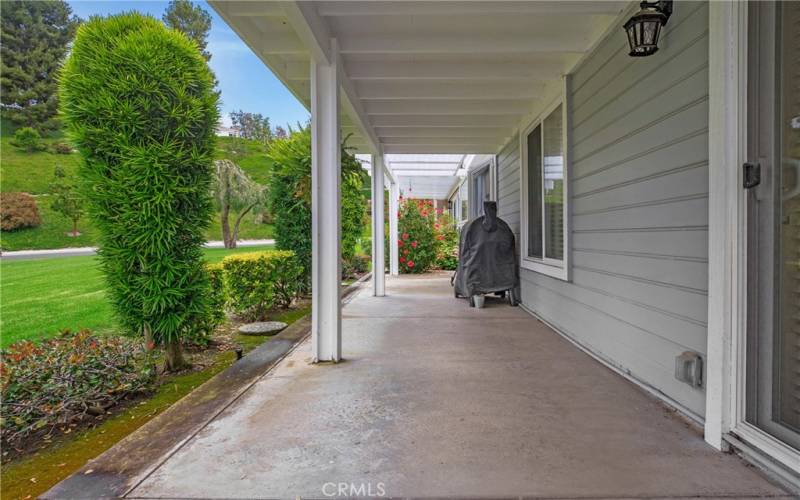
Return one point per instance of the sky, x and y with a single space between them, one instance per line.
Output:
244 81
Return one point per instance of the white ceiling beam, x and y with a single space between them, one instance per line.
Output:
455 70
423 173
516 107
445 8
441 90
310 28
387 132
444 120
442 149
249 8
314 32
435 140
462 44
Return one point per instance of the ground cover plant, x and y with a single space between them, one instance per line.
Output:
138 101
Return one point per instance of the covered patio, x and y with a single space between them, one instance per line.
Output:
437 399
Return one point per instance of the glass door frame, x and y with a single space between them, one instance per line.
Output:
725 419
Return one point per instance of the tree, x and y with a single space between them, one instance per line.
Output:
34 38
252 126
67 200
234 190
191 20
28 139
280 132
139 103
290 198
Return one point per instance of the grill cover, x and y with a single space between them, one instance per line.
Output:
487 260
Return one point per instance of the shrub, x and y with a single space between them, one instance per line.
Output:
215 312
66 199
259 281
417 244
62 148
447 242
355 266
17 211
290 199
138 100
64 380
28 139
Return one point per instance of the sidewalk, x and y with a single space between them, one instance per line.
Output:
77 251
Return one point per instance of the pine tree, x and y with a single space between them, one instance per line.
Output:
191 20
35 37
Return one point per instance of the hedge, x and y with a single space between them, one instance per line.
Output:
258 281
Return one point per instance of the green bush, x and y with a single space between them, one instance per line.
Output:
260 281
447 242
65 380
139 103
28 139
290 199
417 244
215 312
18 211
355 266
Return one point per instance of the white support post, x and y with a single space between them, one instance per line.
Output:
326 305
378 250
394 250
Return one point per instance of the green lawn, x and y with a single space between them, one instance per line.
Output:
39 298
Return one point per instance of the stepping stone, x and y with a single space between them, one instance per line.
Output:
262 328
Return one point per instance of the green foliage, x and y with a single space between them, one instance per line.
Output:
447 242
215 302
18 211
191 20
139 104
290 198
62 148
418 244
66 380
34 38
259 281
66 199
28 139
234 190
252 126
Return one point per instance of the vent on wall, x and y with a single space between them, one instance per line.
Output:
689 368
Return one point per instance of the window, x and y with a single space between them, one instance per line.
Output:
545 194
482 188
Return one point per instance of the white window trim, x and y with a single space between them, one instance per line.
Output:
556 268
491 164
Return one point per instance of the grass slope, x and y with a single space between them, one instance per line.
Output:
41 297
21 171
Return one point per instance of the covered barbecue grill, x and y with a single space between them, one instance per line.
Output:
487 261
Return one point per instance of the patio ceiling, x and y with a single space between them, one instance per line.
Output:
425 77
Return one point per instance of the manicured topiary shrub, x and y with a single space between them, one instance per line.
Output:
290 199
18 211
259 281
215 312
417 244
139 103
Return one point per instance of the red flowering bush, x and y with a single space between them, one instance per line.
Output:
417 244
64 380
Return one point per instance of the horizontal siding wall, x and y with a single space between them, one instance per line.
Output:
639 207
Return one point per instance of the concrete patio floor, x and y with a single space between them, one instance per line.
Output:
438 399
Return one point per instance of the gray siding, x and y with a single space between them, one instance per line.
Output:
639 181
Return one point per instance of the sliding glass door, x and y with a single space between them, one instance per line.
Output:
772 178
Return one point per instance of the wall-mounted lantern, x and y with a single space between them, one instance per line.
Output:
644 27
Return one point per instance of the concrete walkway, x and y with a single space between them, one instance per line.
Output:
437 399
78 251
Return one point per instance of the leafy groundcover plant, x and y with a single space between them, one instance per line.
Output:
67 380
139 103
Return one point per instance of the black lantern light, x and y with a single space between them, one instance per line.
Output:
644 27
